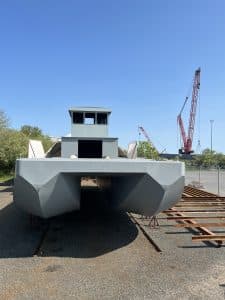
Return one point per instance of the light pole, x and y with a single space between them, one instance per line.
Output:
211 123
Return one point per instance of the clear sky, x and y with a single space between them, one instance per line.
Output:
136 57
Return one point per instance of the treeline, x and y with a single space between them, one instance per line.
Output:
207 159
14 143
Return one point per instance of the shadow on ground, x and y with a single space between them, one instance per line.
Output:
88 233
85 235
17 237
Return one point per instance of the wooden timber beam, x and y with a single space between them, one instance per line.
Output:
202 198
201 225
184 204
194 217
221 211
203 229
207 237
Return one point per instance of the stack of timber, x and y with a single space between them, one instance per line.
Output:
202 212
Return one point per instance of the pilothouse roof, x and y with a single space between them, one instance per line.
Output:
92 109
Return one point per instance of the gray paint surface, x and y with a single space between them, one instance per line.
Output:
139 186
52 186
89 130
89 109
83 130
110 148
70 146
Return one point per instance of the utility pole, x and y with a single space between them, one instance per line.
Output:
211 135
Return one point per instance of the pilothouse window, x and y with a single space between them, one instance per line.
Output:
89 119
78 118
102 118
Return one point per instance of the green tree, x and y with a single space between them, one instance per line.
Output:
31 131
34 132
220 160
145 149
4 120
13 145
209 158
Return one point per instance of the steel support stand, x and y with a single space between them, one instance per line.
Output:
153 222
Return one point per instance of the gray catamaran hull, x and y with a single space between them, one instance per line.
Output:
50 187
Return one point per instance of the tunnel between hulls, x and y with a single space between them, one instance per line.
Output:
138 193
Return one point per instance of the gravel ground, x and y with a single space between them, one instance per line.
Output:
196 269
94 256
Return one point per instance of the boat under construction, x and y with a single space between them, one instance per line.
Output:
51 186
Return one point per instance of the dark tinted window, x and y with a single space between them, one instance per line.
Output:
89 149
78 118
102 118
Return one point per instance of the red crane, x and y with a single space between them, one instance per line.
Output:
187 139
142 130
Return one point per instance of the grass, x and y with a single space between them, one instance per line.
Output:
4 175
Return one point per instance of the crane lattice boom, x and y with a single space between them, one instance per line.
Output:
145 134
188 139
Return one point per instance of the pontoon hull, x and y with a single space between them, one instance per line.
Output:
50 187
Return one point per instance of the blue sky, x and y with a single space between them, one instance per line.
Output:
136 57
